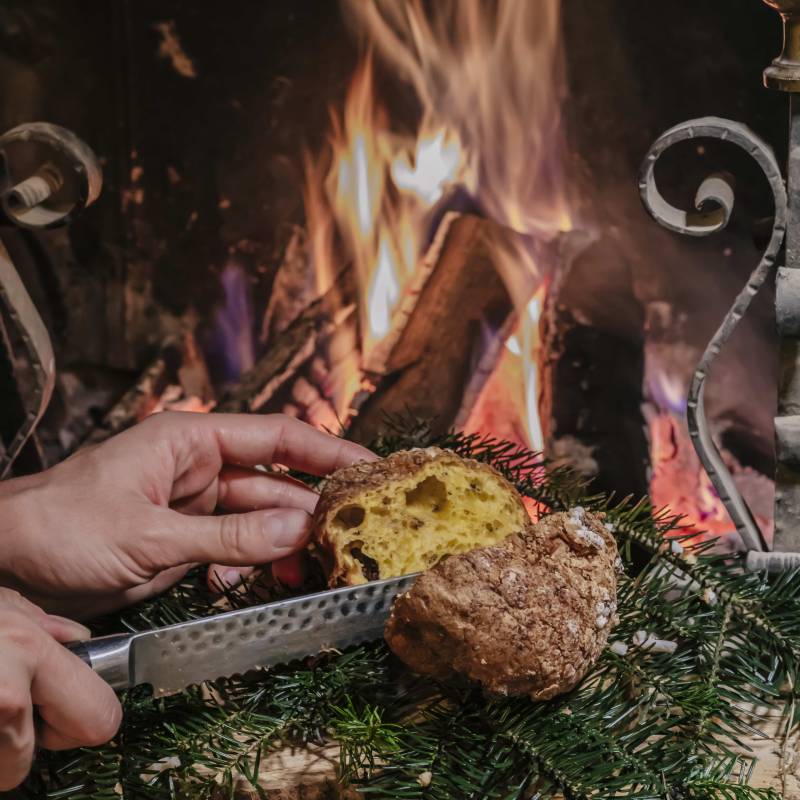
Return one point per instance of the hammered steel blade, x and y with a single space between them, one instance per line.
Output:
172 658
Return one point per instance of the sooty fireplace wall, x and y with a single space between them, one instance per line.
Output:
191 270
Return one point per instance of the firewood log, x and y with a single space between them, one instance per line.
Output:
288 351
462 303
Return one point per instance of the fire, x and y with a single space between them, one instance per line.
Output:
508 406
381 189
438 160
492 74
487 80
678 480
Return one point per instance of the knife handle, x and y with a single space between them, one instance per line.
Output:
108 656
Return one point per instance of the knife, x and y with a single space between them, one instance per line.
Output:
177 656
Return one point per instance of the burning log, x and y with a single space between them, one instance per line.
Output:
290 350
461 308
315 407
593 369
177 379
294 289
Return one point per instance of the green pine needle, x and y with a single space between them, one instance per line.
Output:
646 725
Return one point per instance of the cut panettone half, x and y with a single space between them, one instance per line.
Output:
407 512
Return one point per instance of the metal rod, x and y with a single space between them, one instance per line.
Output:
713 207
34 190
787 470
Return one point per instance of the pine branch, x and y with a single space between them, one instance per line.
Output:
642 724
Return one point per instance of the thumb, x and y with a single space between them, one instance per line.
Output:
235 539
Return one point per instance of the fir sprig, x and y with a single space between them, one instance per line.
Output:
643 724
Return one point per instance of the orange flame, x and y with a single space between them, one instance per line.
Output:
508 406
487 77
378 194
490 74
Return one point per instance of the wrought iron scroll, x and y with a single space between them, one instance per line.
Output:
713 207
47 177
38 348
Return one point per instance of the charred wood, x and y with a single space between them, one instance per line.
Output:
289 350
593 371
430 366
179 364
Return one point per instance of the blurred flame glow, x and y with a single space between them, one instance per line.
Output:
488 82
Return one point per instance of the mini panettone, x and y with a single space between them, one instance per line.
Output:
405 513
529 615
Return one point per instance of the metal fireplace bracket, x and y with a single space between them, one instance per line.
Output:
47 176
714 203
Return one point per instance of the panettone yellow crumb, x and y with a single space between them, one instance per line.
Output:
405 513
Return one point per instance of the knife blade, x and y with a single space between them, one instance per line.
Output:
235 642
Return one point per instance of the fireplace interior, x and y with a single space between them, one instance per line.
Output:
348 211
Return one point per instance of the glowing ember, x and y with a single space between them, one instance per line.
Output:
678 479
535 509
680 483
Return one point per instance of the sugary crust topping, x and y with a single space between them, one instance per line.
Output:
527 616
345 483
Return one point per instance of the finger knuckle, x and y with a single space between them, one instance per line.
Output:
236 532
275 422
279 424
14 704
162 419
284 492
19 631
11 597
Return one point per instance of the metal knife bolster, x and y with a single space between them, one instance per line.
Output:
172 658
109 657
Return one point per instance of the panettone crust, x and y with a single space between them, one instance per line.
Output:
349 555
529 615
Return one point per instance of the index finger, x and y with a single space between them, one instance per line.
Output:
250 439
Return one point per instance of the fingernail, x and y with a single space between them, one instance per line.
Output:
73 628
231 577
290 571
289 528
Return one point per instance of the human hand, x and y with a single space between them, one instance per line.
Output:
124 520
76 708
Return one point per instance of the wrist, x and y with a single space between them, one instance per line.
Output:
19 498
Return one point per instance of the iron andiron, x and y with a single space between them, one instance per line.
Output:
47 177
713 206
